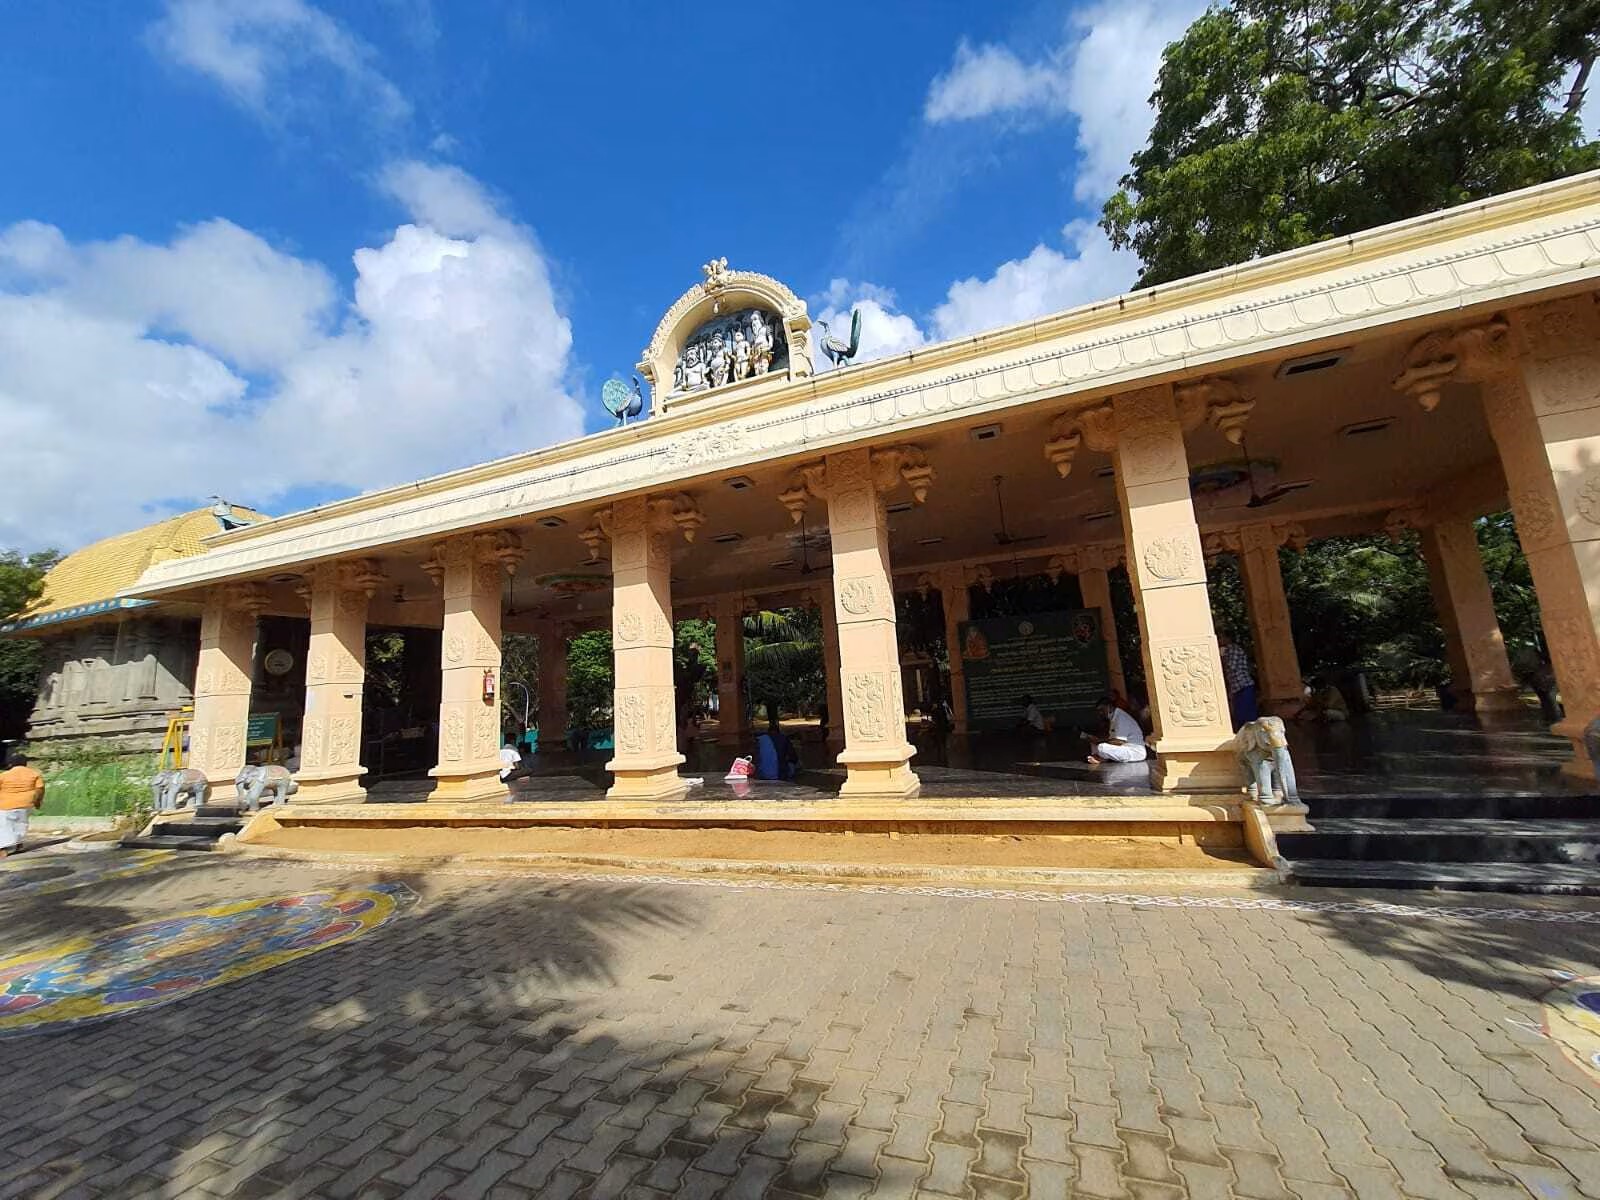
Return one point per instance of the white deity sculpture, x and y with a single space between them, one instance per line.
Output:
719 362
760 344
741 355
691 372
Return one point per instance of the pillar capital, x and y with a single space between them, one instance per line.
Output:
1398 521
1262 535
500 548
1067 563
1467 353
1217 401
678 511
360 576
884 470
242 598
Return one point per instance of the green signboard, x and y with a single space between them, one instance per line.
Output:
1058 658
262 729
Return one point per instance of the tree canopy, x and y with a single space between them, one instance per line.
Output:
21 581
1279 124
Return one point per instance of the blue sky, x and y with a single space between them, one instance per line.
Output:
286 251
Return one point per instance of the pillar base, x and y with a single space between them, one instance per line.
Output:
456 789
335 789
1197 771
663 784
1496 700
879 778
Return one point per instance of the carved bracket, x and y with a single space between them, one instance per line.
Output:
1470 354
1063 564
245 597
1090 427
1217 401
680 511
889 468
1412 516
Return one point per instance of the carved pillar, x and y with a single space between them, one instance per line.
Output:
732 727
876 755
830 667
1165 563
472 569
1280 686
645 764
1094 581
222 679
957 604
552 686
1540 377
336 670
1474 646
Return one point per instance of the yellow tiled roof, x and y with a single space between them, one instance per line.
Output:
99 571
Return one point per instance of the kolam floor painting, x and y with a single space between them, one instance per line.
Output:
158 962
1572 1020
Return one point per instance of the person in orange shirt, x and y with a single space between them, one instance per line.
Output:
21 791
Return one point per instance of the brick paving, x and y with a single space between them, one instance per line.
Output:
515 1035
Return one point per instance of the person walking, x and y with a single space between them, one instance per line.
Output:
1239 680
21 791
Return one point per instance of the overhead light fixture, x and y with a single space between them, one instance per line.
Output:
929 541
1105 472
1376 425
1312 362
899 506
740 483
783 564
725 538
552 522
984 433
1103 515
285 577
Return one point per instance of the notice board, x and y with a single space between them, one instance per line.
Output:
1058 658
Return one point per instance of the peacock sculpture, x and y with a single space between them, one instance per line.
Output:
838 352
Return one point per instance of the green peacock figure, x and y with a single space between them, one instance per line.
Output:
838 352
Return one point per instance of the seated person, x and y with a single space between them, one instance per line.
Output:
1032 717
776 757
1326 703
1124 742
510 761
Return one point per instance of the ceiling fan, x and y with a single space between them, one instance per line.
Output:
804 566
1260 499
1004 536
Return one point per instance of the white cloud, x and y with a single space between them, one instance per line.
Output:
991 79
885 331
1101 73
264 53
1046 281
123 392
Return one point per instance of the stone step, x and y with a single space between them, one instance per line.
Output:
1446 840
168 842
1488 805
1530 878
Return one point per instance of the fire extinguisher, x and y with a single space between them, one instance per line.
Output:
488 686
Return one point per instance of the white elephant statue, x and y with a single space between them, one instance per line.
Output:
1263 749
257 780
187 783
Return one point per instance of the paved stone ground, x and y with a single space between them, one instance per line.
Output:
518 1036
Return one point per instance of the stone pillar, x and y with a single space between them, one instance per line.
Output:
876 755
1540 378
830 667
1189 704
1280 687
957 604
732 727
222 681
1094 581
645 764
1474 646
552 686
336 670
472 569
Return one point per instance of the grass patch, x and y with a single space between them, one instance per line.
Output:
96 783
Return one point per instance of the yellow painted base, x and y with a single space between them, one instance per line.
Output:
661 784
880 781
1197 771
343 789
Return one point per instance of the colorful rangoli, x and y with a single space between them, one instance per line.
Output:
1572 1020
157 962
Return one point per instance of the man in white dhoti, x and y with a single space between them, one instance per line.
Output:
1124 741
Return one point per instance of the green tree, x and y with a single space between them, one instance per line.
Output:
1282 123
21 582
589 679
783 658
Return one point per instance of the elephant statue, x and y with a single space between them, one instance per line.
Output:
168 786
257 780
1263 750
